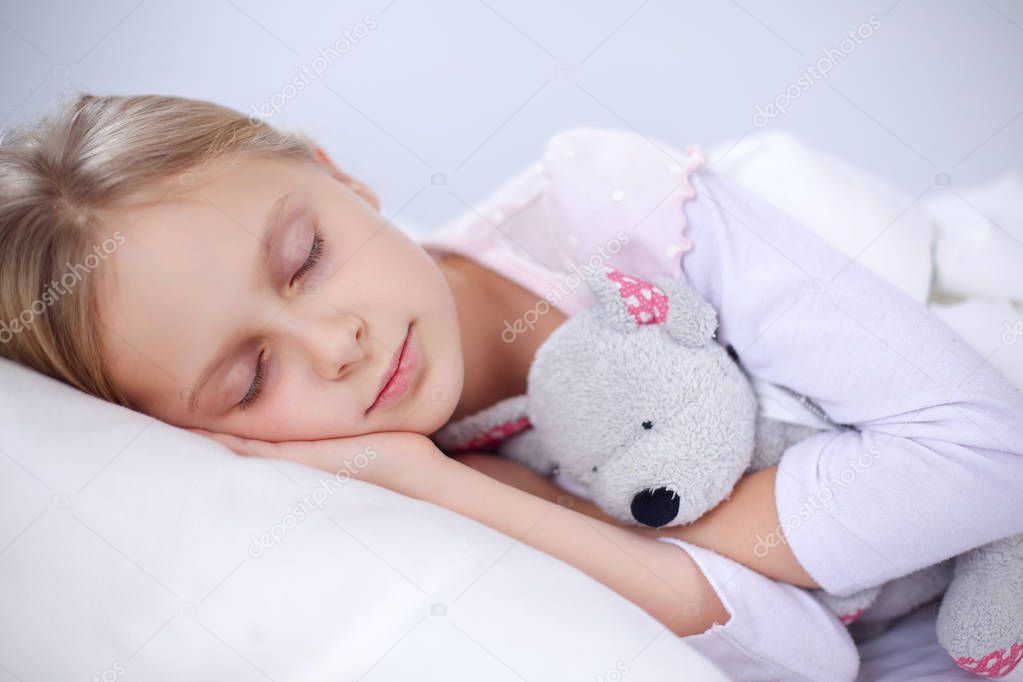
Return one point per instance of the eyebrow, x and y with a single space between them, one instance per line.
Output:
274 222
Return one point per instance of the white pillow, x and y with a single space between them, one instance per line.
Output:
979 268
132 548
979 241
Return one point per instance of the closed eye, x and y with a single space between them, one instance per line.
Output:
315 252
259 375
257 383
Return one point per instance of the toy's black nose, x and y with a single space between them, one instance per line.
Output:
655 507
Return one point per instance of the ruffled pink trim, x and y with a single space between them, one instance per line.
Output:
695 159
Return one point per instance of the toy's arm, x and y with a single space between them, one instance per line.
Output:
933 467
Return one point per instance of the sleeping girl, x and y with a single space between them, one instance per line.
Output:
256 294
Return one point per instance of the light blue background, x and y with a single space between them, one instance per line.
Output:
469 88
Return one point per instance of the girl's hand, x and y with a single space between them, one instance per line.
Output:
392 459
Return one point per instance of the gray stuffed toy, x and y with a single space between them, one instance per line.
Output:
635 404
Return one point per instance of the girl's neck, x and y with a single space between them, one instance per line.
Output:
496 365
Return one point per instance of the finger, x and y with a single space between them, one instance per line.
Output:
241 446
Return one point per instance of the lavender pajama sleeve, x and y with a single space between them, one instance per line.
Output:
934 467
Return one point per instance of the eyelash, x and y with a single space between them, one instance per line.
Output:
314 256
257 383
260 375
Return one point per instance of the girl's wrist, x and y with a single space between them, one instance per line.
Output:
422 472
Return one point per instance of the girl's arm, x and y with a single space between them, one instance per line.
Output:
656 576
749 510
751 627
933 467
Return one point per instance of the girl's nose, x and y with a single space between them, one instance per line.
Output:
333 342
343 350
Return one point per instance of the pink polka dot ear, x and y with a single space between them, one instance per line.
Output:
645 302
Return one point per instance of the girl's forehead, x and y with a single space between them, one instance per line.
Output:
220 175
236 191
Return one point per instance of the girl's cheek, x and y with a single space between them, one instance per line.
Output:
278 423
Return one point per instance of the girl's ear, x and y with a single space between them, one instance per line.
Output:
368 195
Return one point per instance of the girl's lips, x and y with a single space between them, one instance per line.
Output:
401 372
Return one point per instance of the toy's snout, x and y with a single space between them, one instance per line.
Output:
655 507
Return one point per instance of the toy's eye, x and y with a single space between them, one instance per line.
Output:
594 470
648 425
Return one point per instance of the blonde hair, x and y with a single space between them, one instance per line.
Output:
55 176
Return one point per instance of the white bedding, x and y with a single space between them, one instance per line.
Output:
126 545
127 550
958 250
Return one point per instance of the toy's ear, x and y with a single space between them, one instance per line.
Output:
625 302
692 321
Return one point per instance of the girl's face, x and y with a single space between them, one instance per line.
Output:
268 298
